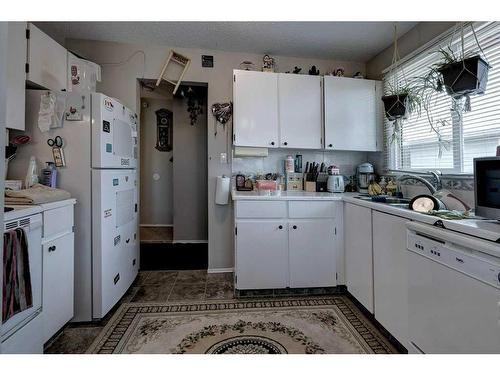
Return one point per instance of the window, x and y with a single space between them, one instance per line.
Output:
473 134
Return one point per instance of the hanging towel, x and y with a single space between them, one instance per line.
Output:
17 293
36 194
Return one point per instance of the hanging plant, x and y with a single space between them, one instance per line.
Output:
458 74
401 99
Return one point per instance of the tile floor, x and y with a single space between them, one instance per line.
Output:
149 286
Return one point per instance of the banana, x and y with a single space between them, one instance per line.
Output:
374 188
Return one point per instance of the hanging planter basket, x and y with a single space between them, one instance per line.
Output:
395 106
465 77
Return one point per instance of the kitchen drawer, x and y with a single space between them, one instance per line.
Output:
58 220
311 209
260 209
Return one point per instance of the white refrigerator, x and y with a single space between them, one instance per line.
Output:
100 150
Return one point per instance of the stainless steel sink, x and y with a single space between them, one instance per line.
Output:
390 201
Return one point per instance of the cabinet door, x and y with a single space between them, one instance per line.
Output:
390 274
255 98
358 253
300 117
350 114
261 254
47 61
16 75
58 284
312 253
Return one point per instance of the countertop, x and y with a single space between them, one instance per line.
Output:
478 227
28 210
287 196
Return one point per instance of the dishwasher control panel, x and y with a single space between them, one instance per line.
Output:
468 261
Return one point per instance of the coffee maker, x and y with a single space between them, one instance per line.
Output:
364 174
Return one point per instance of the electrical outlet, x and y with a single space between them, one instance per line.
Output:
223 158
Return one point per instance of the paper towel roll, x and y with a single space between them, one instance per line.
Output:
222 190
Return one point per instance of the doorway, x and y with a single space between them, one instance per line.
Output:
173 168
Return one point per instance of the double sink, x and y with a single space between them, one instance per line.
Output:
389 201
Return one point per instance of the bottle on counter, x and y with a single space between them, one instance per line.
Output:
289 164
32 174
49 175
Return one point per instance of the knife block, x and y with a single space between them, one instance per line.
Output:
322 182
310 186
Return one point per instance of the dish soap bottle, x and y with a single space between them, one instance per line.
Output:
32 174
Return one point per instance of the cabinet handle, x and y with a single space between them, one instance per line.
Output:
52 248
285 143
272 143
280 227
294 227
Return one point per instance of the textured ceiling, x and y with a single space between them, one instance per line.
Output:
355 41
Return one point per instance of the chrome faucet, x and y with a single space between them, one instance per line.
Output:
433 189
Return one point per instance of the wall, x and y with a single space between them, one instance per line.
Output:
422 33
346 161
120 81
158 211
3 101
190 172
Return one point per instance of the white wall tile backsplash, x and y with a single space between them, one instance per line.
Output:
346 161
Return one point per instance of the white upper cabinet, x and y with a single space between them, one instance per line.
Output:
255 97
300 111
47 61
352 115
15 52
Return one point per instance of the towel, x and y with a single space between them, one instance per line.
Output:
35 195
16 285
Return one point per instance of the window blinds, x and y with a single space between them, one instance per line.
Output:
473 134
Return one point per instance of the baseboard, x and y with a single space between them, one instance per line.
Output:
157 225
220 270
190 241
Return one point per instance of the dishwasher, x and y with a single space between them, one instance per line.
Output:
453 292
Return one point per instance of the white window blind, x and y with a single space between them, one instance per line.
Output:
463 138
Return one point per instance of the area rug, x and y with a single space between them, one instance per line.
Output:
315 325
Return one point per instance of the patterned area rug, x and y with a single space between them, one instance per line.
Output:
274 326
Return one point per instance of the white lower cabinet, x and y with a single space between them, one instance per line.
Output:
390 274
58 249
311 253
358 253
262 252
58 284
297 250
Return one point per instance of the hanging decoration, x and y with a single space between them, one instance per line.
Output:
222 113
195 102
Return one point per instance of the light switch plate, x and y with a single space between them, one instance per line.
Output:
223 158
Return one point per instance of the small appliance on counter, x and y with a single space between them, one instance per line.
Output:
335 183
364 174
487 187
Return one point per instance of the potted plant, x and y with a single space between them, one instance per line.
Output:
400 99
462 75
400 103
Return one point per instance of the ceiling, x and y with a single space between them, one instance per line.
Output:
354 41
